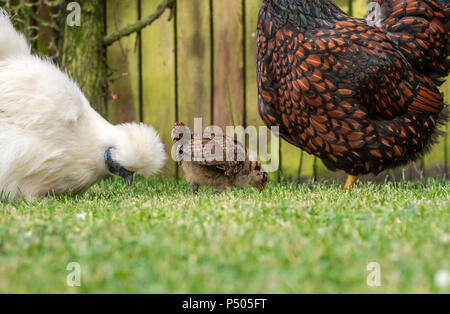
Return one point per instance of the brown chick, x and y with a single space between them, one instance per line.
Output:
231 167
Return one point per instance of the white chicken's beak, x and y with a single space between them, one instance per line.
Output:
128 178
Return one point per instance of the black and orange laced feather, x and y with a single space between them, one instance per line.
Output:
362 98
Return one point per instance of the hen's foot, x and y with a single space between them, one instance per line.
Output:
351 180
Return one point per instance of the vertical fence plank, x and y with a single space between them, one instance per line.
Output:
307 166
446 141
357 8
436 162
158 66
290 160
447 137
251 20
194 61
228 63
123 103
360 7
343 4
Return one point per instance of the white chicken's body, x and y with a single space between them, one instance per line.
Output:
51 140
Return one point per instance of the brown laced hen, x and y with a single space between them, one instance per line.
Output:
362 98
217 161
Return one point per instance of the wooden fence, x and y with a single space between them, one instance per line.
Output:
201 63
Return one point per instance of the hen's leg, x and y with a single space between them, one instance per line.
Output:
351 180
194 188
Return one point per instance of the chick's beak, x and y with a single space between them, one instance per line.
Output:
263 183
262 187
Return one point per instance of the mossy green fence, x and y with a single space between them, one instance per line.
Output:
201 63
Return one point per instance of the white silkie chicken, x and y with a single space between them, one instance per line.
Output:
51 140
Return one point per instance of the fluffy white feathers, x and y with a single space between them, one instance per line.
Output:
51 140
139 149
18 45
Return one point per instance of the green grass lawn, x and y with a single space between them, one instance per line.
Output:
157 237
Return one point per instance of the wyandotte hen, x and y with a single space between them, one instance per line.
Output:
362 95
51 140
214 160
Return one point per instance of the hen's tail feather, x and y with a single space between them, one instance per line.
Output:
407 138
421 28
427 99
12 43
